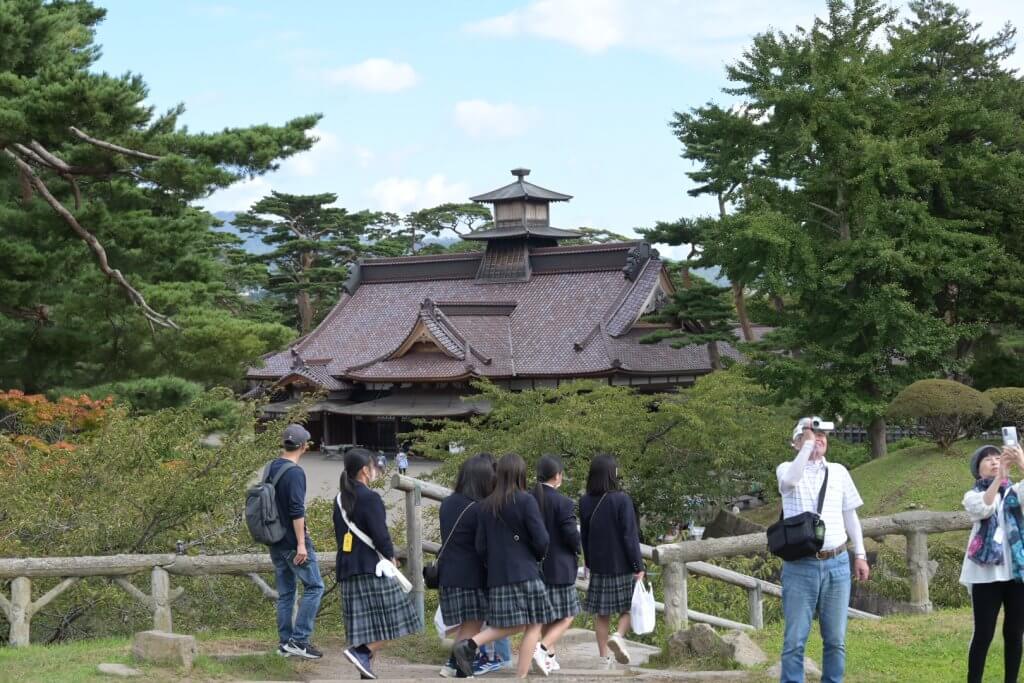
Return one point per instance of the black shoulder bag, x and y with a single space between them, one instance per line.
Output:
799 536
431 575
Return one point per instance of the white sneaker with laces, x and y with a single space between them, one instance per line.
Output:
607 662
553 664
618 647
540 661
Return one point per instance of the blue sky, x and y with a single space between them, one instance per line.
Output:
431 102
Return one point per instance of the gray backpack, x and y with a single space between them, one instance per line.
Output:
261 516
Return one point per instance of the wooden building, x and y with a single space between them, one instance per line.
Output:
409 334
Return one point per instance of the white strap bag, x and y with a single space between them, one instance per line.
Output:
385 567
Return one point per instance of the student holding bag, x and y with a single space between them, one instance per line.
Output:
461 575
611 551
374 605
560 565
512 541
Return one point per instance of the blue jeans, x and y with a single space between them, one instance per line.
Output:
812 586
285 573
502 648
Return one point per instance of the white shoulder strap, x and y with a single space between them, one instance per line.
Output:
354 529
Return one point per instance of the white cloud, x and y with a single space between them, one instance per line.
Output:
408 194
239 197
311 162
480 118
682 29
376 74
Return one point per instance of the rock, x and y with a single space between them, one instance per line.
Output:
118 670
811 669
700 640
165 648
745 651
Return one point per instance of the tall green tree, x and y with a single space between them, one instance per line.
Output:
868 259
107 269
446 220
312 244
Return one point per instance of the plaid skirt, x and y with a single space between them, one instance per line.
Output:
459 605
564 601
519 603
609 594
374 608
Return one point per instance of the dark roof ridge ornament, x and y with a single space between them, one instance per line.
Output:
520 172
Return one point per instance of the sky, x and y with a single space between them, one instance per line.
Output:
425 103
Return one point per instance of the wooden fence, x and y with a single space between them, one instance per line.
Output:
677 562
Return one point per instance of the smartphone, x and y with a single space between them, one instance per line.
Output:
1010 436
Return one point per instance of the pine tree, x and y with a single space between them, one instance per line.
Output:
703 315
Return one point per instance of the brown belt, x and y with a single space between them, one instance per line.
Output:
829 554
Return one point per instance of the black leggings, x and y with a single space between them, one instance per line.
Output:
987 598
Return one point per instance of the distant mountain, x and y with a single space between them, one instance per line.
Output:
253 244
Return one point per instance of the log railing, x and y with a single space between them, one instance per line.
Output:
677 561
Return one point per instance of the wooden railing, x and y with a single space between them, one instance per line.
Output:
677 562
678 559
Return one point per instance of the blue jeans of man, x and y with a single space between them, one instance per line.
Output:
286 572
811 586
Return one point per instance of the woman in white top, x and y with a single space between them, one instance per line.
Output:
994 562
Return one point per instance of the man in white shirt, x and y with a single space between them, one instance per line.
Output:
819 583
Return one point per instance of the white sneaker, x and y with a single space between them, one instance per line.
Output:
618 647
448 672
540 661
553 664
607 662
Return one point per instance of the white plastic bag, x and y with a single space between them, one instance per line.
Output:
642 612
443 629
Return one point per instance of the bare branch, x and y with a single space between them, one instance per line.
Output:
94 244
110 146
825 209
60 167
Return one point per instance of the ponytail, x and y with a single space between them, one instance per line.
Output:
355 460
548 467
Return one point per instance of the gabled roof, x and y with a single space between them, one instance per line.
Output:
573 317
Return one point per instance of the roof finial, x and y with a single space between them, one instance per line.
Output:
520 173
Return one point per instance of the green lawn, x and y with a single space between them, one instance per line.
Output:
76 662
928 648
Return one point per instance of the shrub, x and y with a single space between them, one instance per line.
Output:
142 396
946 409
1009 403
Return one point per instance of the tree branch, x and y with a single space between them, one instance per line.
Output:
100 253
110 146
825 209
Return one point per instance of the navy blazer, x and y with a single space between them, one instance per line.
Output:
459 565
559 513
611 537
508 560
369 515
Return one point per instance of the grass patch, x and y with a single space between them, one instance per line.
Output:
930 647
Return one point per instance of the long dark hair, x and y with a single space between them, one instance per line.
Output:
355 460
548 467
602 477
510 477
476 477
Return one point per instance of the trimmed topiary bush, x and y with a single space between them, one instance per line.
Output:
1009 403
946 409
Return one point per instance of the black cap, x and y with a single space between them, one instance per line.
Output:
294 437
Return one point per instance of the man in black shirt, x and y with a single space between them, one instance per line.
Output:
294 556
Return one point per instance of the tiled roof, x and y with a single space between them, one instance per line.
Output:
521 189
530 328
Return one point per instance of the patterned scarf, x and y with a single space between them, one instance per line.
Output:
984 549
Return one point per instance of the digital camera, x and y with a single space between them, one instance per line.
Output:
819 425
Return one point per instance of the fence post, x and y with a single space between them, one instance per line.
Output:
674 576
414 553
21 611
755 600
917 564
161 596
